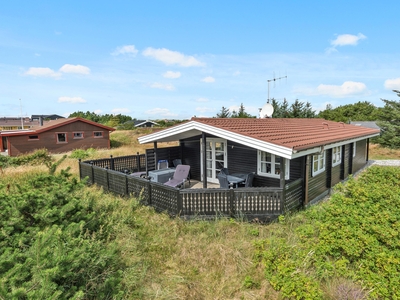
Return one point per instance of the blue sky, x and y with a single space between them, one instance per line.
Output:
178 59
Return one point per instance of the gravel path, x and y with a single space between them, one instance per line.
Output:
385 162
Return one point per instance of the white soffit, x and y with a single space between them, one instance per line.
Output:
194 128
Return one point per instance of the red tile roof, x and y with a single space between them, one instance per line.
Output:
297 134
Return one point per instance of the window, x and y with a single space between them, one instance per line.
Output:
78 135
336 155
62 137
318 163
354 149
98 134
33 137
269 165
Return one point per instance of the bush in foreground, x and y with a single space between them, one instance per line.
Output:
54 242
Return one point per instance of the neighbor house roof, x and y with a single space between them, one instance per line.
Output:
139 123
286 137
369 124
54 124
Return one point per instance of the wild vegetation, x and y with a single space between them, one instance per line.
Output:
62 239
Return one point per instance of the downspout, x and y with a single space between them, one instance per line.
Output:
306 173
203 138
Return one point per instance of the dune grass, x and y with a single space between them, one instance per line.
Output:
169 258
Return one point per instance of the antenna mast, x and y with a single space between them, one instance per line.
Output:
273 79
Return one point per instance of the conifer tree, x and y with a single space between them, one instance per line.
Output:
390 124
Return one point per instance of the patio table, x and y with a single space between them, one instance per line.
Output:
235 180
161 176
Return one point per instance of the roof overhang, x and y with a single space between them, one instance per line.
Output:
193 128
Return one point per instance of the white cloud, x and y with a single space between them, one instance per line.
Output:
98 111
237 73
42 72
171 74
127 49
120 111
208 79
204 109
71 100
77 69
167 87
172 57
392 84
164 112
348 88
347 39
202 100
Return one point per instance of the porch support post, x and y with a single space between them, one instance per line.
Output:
203 138
367 154
282 185
155 155
283 172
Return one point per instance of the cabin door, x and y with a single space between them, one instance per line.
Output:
216 158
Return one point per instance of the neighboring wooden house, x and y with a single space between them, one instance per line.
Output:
145 123
15 123
57 136
280 151
46 117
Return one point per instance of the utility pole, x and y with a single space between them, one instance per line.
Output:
273 79
22 121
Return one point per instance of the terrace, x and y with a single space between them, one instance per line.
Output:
193 201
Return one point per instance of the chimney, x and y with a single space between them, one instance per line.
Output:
41 120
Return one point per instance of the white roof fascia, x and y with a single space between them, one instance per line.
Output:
222 133
169 132
329 146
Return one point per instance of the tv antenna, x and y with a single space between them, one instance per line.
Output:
273 79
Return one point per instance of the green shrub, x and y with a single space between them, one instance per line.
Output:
55 243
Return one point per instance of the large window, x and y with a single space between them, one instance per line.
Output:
61 137
270 165
318 165
98 134
78 135
336 155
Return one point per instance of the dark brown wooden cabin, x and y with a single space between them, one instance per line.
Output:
279 151
57 136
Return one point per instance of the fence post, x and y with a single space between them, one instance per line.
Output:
108 182
149 200
283 200
112 163
138 162
91 163
80 169
232 202
179 203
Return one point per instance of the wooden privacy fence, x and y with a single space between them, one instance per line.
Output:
262 203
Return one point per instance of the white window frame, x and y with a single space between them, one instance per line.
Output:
336 155
321 158
274 173
59 135
354 149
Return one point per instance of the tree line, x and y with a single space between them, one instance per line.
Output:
386 117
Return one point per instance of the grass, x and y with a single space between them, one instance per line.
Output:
377 152
175 259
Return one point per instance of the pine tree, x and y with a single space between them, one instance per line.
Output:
390 124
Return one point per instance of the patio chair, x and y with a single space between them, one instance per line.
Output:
249 180
224 171
177 162
223 181
180 176
162 164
